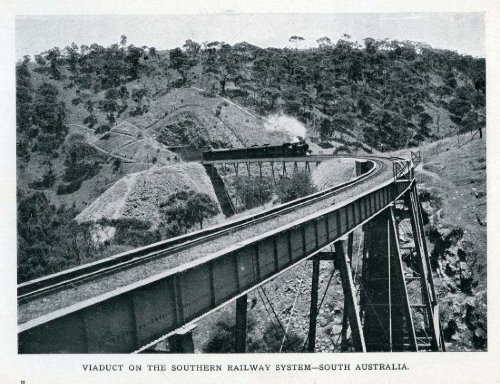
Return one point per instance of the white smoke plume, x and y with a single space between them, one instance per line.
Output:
287 124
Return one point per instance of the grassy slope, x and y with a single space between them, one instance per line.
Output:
139 195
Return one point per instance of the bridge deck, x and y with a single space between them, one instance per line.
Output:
46 304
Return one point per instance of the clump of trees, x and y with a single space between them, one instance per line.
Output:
253 191
48 238
298 185
186 208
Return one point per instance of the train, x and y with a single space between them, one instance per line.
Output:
295 149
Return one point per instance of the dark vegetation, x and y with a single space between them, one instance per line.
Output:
253 191
299 185
184 209
270 340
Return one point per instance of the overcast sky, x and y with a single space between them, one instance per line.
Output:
461 32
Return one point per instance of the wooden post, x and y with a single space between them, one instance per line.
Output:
311 345
350 295
272 172
240 330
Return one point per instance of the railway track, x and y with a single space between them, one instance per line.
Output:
66 280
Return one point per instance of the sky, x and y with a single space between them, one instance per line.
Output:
461 32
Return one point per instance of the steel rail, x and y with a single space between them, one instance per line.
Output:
78 275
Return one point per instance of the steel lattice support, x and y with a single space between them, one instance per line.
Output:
352 308
425 271
387 320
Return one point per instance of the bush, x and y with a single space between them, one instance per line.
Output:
253 191
135 232
47 181
70 187
186 208
299 185
325 144
222 339
272 338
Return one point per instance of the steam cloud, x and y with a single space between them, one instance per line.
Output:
287 124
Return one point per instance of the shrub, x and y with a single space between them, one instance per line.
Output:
70 187
299 185
253 191
135 232
272 338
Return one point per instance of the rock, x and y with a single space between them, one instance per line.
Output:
466 278
479 194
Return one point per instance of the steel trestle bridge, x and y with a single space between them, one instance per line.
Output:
68 313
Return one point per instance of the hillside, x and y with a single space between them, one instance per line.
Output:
453 195
140 195
97 125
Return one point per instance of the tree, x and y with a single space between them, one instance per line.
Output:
123 40
299 185
296 39
424 120
253 191
49 112
192 47
326 129
324 42
185 208
180 62
221 63
200 206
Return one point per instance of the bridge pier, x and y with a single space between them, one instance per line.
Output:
240 329
313 315
182 340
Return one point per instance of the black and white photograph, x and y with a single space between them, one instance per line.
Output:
250 184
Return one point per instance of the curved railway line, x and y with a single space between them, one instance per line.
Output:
47 294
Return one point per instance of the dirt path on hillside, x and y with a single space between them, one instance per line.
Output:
232 103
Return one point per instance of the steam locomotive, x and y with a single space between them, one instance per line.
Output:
296 149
